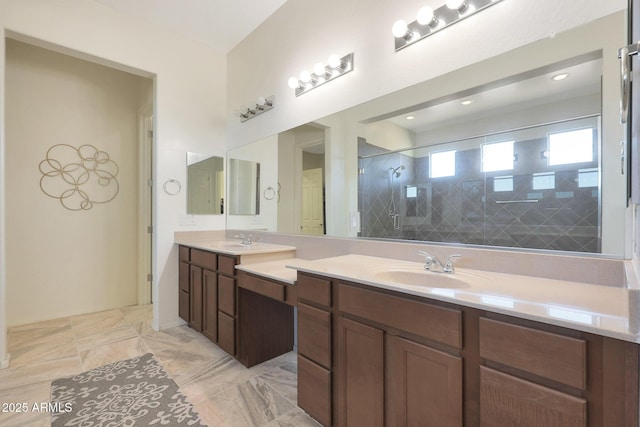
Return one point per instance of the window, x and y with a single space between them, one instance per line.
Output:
412 191
442 164
544 181
574 146
503 183
497 156
588 177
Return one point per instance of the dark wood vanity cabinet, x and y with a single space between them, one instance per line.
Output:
315 355
368 356
207 295
398 360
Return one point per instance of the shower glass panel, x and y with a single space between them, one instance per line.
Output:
544 195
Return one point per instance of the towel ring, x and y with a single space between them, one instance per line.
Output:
177 187
269 193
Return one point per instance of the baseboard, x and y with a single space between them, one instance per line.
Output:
5 363
178 322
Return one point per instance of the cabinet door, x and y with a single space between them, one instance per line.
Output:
210 305
424 386
360 374
195 320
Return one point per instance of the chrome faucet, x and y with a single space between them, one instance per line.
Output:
247 239
430 261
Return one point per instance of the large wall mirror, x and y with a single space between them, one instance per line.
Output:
521 150
205 184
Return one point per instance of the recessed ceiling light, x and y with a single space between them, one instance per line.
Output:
410 117
466 102
559 77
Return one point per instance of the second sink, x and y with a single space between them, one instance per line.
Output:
422 278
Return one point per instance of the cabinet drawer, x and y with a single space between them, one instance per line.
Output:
435 323
204 259
261 286
183 305
226 265
509 401
314 334
183 253
314 289
314 390
556 357
227 295
227 333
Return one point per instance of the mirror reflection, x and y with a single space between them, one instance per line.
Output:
205 184
244 187
527 158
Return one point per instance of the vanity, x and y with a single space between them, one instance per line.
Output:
382 342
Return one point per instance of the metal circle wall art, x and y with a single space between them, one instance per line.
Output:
79 177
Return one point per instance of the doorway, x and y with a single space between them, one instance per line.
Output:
73 238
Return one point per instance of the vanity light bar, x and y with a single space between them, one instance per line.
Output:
262 105
431 21
322 74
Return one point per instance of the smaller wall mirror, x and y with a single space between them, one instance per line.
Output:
244 185
205 184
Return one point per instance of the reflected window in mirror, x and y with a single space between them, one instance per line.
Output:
205 184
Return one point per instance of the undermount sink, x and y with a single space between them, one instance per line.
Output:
422 278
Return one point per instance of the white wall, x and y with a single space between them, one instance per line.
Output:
190 97
61 259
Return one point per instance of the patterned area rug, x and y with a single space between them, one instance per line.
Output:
131 392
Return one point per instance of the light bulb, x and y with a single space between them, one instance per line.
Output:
425 15
305 76
458 5
261 100
319 69
334 61
400 29
293 82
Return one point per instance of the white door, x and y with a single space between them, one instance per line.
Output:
312 206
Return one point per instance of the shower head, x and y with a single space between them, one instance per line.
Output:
397 170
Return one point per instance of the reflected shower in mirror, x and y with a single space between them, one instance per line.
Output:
244 187
536 187
205 184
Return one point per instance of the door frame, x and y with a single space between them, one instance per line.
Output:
145 206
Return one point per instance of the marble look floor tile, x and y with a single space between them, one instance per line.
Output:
40 345
255 403
27 396
110 353
284 380
210 379
88 324
296 418
45 324
102 337
45 371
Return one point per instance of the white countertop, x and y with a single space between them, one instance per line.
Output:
602 310
232 247
274 270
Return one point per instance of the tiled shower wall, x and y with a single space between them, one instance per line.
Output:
466 208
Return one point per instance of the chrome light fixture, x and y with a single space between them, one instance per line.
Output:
262 105
429 21
336 67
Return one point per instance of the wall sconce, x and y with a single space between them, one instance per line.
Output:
429 21
322 74
262 105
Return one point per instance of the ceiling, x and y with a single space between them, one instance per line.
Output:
528 90
221 24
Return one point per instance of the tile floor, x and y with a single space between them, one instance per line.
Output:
224 392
